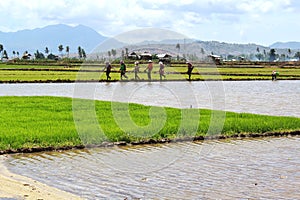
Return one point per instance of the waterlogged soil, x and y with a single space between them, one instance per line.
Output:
152 141
265 168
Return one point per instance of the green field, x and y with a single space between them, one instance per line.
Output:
28 122
176 71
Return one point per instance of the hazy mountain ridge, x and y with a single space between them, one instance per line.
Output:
286 45
51 36
90 40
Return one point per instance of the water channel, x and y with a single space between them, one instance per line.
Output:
266 168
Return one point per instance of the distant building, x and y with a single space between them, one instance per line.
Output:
215 58
164 56
133 56
146 56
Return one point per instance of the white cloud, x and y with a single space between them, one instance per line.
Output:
226 18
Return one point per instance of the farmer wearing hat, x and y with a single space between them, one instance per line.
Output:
108 70
161 70
123 70
149 69
190 69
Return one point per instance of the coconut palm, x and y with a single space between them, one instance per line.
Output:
68 50
1 49
60 49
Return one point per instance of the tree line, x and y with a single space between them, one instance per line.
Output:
46 55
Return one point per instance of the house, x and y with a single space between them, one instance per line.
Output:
164 56
215 58
133 56
146 56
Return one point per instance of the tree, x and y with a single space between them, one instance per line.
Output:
265 53
289 51
272 55
5 54
202 51
109 54
259 56
282 57
114 52
68 50
178 48
52 57
79 52
18 54
1 49
83 53
126 52
14 53
46 51
297 55
123 54
39 55
60 48
257 49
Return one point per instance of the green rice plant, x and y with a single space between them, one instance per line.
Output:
28 122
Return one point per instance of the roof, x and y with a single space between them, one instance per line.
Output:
164 55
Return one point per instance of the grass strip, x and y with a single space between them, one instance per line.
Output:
49 122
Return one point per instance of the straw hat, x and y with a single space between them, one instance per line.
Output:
150 61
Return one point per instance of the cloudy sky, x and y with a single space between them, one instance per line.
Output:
235 21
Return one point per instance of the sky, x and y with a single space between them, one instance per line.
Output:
234 21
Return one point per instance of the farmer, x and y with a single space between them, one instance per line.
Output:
149 69
136 70
108 70
123 70
274 75
190 69
161 70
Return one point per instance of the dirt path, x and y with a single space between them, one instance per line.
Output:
20 187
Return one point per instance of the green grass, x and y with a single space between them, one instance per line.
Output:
28 122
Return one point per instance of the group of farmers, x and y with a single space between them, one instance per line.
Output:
148 69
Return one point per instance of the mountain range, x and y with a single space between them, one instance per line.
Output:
51 36
87 38
286 45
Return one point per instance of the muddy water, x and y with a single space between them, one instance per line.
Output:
262 97
245 169
235 169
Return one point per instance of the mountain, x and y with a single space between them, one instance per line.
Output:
286 45
51 36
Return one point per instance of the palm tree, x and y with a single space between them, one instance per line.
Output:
79 52
46 51
126 52
83 53
272 55
60 49
67 50
1 49
5 54
289 52
14 53
114 52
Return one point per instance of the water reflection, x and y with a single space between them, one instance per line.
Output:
246 169
262 97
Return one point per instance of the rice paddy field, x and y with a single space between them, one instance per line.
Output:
14 73
43 122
